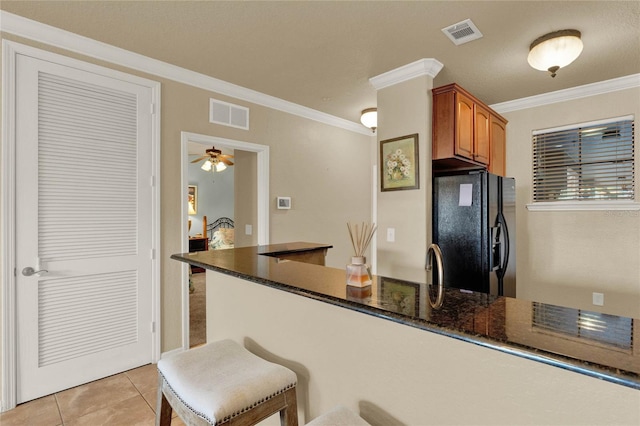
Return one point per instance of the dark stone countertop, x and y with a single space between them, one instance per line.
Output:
501 323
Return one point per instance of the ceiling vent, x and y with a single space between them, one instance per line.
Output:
462 32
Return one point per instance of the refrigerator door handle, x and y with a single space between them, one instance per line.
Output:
495 260
505 260
437 253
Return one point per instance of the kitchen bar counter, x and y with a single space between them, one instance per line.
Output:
545 333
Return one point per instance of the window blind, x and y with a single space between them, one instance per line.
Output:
594 161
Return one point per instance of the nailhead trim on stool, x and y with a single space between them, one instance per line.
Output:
221 382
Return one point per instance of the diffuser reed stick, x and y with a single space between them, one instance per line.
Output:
361 237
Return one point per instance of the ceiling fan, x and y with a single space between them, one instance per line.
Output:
215 160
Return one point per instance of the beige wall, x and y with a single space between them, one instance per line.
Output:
404 109
326 171
565 256
246 197
393 374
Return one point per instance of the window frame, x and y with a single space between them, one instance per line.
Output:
632 206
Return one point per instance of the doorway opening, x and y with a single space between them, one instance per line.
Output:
211 203
260 229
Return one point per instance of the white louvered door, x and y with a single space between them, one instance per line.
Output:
83 212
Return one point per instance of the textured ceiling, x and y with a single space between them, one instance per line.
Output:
322 54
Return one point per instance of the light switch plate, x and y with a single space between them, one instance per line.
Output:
391 235
248 229
598 299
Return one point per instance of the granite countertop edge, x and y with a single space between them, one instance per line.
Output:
583 367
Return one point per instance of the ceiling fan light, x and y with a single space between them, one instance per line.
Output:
206 166
369 118
555 50
220 166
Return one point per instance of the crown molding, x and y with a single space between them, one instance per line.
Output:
427 66
56 37
36 31
601 87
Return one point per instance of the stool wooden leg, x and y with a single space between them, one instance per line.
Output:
163 408
289 414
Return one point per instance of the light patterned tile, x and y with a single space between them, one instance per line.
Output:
177 421
39 412
152 398
144 378
94 396
130 412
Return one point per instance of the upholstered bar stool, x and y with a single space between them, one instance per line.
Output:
339 416
222 383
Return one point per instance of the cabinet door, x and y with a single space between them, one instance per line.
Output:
497 164
464 126
482 148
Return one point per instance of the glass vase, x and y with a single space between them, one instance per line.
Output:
358 273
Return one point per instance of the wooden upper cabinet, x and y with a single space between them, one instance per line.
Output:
498 146
482 148
463 132
464 127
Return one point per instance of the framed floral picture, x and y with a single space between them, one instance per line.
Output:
399 163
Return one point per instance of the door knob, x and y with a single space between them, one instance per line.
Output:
28 271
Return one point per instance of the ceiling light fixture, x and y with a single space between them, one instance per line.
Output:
215 160
369 118
220 166
555 50
206 166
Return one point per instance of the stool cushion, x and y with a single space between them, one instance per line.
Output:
339 416
222 379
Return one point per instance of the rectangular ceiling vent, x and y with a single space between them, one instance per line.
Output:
462 32
228 114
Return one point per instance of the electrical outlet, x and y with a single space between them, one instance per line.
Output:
248 229
391 235
598 299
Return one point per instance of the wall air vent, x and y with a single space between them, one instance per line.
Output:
228 114
462 32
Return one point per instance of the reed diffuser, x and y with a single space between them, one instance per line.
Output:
358 272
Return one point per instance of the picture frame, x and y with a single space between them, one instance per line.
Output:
399 168
284 203
402 296
192 201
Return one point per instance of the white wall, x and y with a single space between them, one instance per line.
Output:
393 374
565 256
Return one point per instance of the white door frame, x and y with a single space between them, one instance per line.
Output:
8 193
262 152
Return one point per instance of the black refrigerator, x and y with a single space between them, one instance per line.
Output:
474 225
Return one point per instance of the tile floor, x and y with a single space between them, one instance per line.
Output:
125 399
